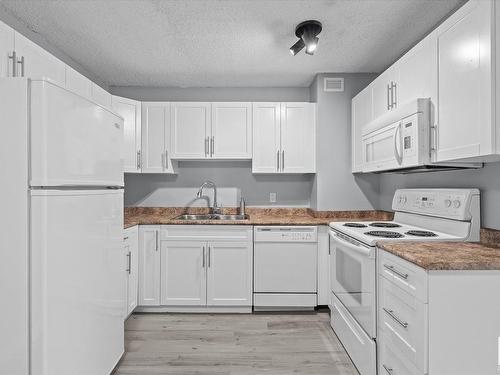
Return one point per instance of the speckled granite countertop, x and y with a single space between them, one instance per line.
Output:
257 216
446 256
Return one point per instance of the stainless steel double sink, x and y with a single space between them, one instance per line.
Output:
212 217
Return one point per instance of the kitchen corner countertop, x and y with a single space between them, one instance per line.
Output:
257 216
446 256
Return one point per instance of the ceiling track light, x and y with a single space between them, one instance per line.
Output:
307 32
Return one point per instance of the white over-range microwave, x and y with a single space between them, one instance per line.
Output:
398 141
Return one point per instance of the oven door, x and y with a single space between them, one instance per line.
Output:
352 279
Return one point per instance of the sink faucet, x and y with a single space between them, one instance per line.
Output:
215 209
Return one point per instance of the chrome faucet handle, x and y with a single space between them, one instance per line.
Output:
217 210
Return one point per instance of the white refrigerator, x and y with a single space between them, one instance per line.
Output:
62 268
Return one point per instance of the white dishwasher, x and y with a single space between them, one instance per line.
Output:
285 268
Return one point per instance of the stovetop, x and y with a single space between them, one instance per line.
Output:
371 232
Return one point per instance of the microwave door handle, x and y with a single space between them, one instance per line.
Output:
399 158
357 248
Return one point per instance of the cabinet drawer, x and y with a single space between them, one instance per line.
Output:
390 359
207 232
405 275
403 317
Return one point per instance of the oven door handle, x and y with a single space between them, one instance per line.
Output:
358 248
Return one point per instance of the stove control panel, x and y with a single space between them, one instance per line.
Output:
448 203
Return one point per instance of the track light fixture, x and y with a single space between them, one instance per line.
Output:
307 32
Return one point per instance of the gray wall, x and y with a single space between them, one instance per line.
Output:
487 180
214 94
159 190
334 186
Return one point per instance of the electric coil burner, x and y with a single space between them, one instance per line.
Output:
355 225
421 233
385 225
384 234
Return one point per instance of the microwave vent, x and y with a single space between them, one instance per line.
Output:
332 84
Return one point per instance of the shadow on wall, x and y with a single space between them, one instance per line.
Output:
233 179
369 185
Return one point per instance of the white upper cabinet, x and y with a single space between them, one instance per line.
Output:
416 73
284 138
298 135
266 137
413 76
466 126
384 89
231 130
361 114
155 156
6 49
100 96
190 130
35 62
78 83
130 110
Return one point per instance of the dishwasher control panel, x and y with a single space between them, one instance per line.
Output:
285 234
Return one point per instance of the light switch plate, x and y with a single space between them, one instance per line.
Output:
272 197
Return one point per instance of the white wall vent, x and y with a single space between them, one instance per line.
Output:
332 84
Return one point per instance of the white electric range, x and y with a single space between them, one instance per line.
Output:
420 215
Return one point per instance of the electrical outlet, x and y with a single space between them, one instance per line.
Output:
272 197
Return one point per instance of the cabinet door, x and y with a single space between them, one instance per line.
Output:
229 274
360 116
465 83
100 96
155 155
6 49
38 63
381 93
190 130
127 252
298 138
132 241
232 130
149 265
183 273
130 110
266 137
417 74
78 83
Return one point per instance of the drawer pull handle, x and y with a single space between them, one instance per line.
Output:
388 369
393 316
394 270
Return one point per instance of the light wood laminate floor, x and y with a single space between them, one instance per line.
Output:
232 344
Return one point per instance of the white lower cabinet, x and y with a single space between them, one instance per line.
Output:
229 273
436 322
149 265
203 266
183 273
131 245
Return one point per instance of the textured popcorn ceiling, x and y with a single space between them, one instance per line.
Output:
227 43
